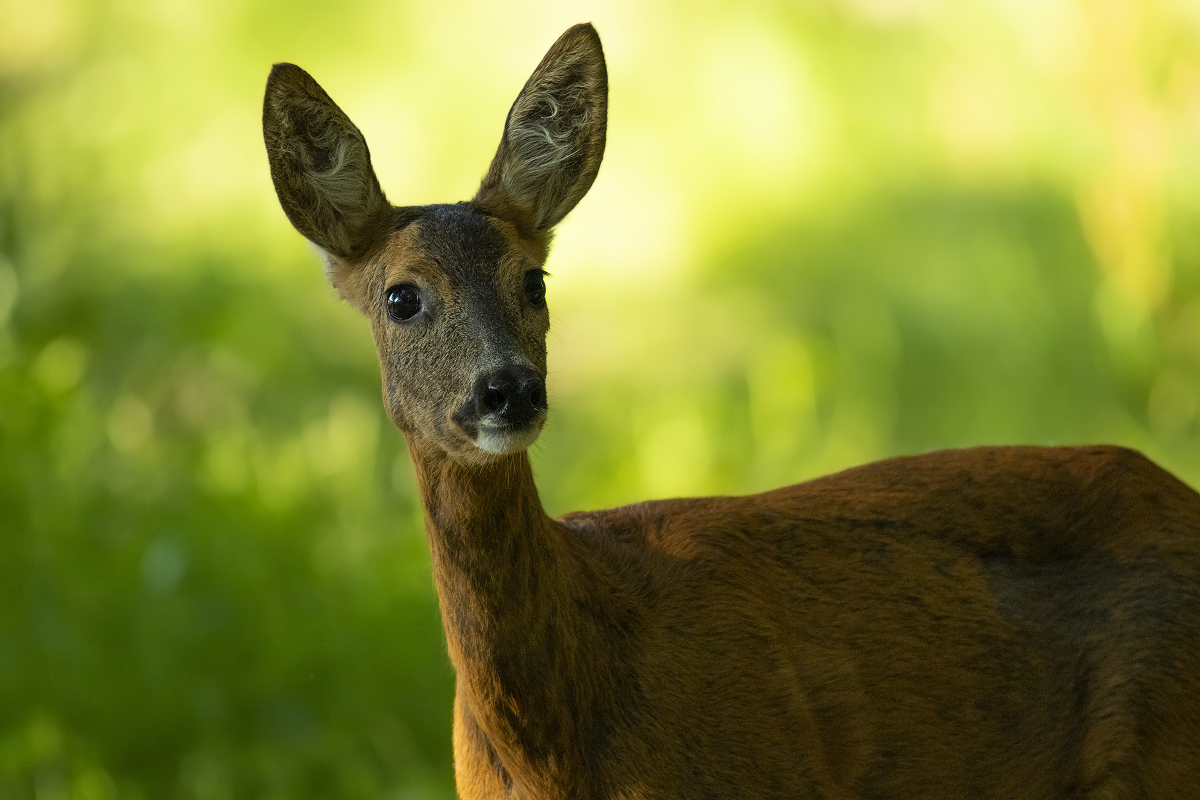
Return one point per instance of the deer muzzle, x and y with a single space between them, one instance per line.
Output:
506 409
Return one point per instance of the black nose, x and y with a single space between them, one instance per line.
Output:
511 396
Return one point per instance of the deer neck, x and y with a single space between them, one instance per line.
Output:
491 542
511 584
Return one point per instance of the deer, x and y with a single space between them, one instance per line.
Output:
991 622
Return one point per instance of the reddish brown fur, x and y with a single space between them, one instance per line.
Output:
1010 622
919 627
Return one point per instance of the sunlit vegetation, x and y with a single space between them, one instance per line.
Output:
824 233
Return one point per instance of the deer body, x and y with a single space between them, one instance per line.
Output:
997 622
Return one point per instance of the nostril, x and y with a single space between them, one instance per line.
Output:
535 390
493 400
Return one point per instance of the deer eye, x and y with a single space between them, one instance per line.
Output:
403 302
535 288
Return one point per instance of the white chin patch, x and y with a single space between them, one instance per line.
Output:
502 442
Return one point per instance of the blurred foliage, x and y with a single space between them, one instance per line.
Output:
824 233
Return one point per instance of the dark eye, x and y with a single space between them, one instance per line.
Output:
403 302
535 288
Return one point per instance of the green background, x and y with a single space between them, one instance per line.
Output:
824 233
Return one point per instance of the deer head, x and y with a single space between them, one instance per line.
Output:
454 293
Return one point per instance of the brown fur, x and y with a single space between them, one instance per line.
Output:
321 166
1010 622
564 101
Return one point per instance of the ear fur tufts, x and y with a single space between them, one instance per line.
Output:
554 136
320 165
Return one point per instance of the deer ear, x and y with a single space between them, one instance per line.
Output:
321 166
554 136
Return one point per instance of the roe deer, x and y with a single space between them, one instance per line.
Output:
1007 622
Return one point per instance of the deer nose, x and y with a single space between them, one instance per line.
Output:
512 396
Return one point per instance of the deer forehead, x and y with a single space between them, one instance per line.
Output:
457 251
